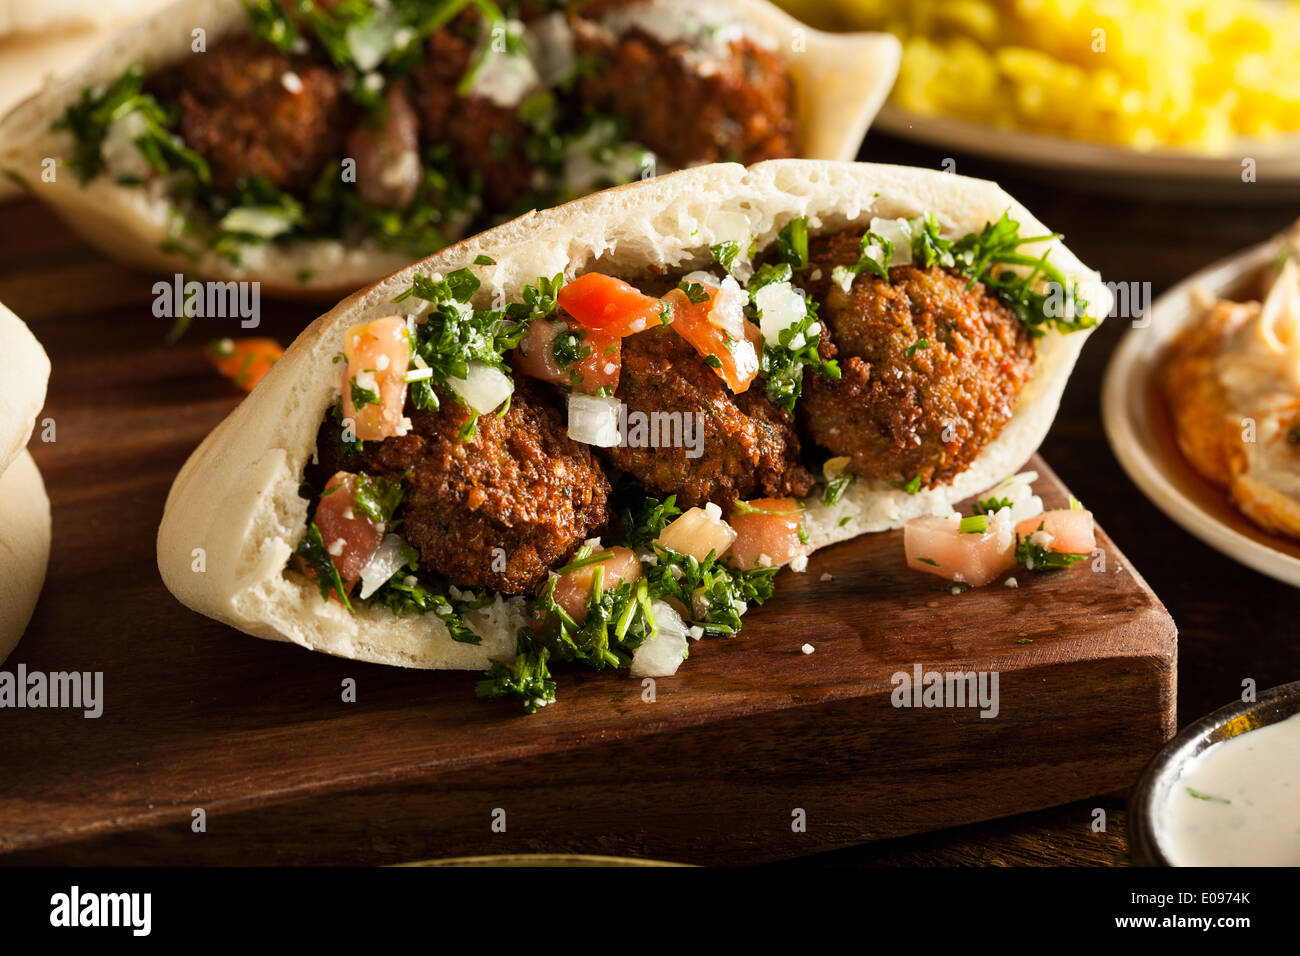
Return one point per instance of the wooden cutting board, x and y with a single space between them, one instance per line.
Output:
751 737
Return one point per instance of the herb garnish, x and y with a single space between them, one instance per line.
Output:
312 551
792 243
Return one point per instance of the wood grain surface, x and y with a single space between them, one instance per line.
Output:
197 716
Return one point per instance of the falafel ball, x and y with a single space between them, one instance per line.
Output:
748 445
252 111
520 485
485 141
741 101
930 369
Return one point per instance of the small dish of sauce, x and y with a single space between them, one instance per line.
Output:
1237 802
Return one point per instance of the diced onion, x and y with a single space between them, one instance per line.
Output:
899 232
593 419
369 41
386 562
503 77
780 306
550 44
1018 489
265 222
697 532
662 654
121 155
484 388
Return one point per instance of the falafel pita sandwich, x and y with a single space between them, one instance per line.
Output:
24 508
599 431
316 147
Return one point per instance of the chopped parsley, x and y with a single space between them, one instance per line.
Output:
874 254
376 497
311 549
639 525
695 292
526 677
911 350
911 487
991 505
453 334
726 253
977 256
89 119
782 365
410 592
792 243
361 397
680 576
835 487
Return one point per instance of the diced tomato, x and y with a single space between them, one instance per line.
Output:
609 306
595 372
735 360
766 527
244 361
378 356
1073 531
574 588
938 546
349 536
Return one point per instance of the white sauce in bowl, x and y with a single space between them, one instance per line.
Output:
1238 802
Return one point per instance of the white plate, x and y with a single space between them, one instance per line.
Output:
1112 168
1141 435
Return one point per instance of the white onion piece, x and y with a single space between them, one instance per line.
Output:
484 387
697 532
899 232
593 419
728 312
780 306
122 157
504 78
549 40
386 562
1018 489
662 654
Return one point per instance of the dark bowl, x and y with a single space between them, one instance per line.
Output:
1149 793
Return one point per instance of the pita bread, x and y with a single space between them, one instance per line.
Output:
24 547
24 370
39 41
235 503
842 81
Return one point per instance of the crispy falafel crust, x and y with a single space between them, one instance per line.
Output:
749 445
742 110
930 368
237 113
498 510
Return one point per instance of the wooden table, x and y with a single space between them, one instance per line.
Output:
45 274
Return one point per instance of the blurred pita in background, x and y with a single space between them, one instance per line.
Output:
41 40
